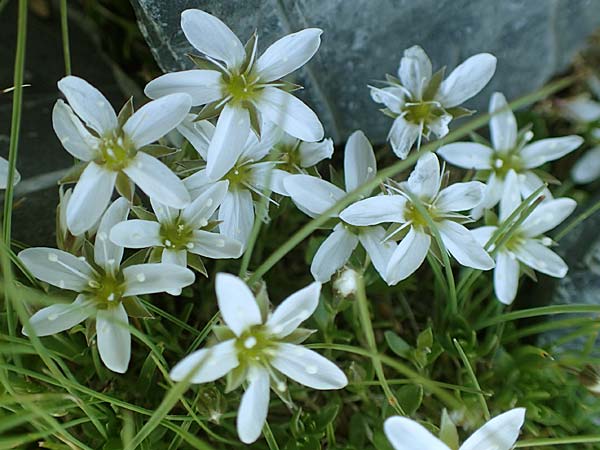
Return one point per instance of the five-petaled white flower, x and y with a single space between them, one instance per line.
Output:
510 150
247 174
179 232
314 196
259 351
443 207
422 103
526 245
243 89
112 149
106 290
500 433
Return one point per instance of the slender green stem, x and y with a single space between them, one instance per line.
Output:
558 441
367 326
536 312
271 442
471 372
580 218
262 209
64 27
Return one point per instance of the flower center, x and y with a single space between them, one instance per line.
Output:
107 290
116 152
412 214
423 112
289 156
241 87
253 346
176 236
238 176
503 162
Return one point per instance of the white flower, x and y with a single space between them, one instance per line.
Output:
105 289
4 174
527 245
422 103
112 149
510 150
500 433
259 351
443 206
243 89
246 174
179 231
314 196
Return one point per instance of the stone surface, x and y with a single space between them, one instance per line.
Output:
40 152
364 39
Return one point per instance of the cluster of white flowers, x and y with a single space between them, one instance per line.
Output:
267 141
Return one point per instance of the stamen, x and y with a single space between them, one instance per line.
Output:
140 277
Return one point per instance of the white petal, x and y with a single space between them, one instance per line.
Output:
483 234
468 155
288 54
114 338
529 182
312 153
402 136
254 149
580 109
215 245
157 181
500 433
406 434
440 125
198 213
254 406
203 86
311 194
197 182
107 254
4 174
89 104
460 196
392 97
213 363
333 253
165 214
467 79
375 210
199 134
237 215
57 267
74 137
56 318
307 367
424 180
212 37
90 198
152 278
503 125
547 215
136 233
415 70
463 246
511 196
408 256
236 303
539 152
380 252
491 196
360 165
277 181
294 310
289 113
541 258
176 257
156 118
228 141
506 277
587 168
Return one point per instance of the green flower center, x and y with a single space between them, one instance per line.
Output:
116 152
254 345
107 290
238 176
503 162
289 157
412 214
241 87
176 236
423 112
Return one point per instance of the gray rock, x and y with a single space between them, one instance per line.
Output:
364 39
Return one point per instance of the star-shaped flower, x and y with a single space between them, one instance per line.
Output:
422 102
89 129
443 207
314 196
509 150
260 351
240 88
500 433
527 245
106 290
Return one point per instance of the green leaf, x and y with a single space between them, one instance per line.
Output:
410 398
425 339
299 335
459 111
196 263
255 119
203 63
448 433
135 308
125 186
210 111
73 174
142 213
159 151
125 113
398 345
138 257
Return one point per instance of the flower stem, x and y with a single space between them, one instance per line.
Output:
64 26
367 326
536 312
469 368
271 442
